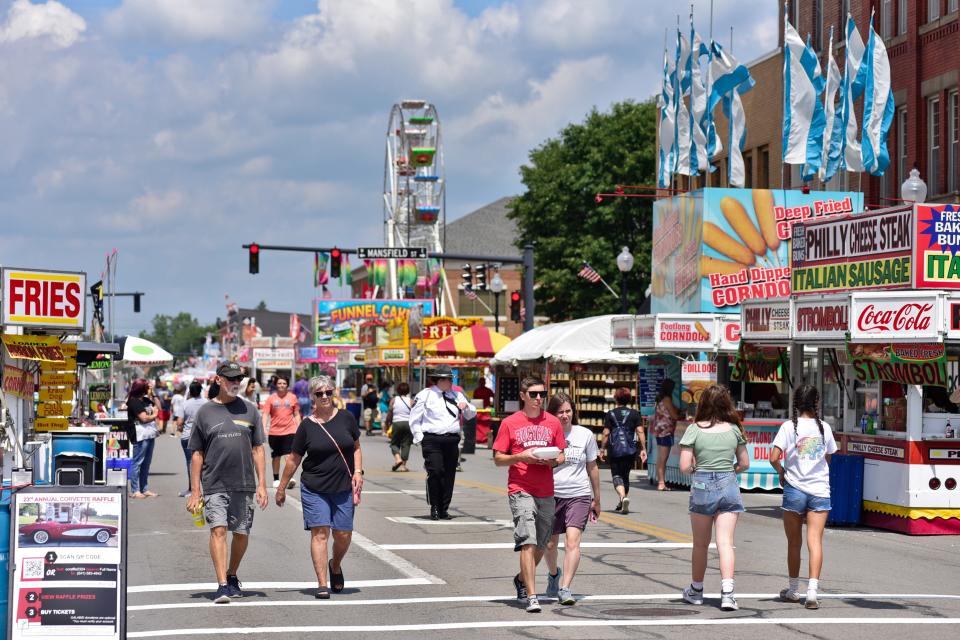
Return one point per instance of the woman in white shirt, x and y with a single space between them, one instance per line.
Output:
398 422
805 445
576 492
435 421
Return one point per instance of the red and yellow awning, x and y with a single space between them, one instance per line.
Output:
473 342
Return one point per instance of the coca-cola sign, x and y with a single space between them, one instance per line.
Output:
909 317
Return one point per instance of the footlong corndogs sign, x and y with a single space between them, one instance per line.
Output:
714 249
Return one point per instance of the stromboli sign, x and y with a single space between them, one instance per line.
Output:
821 319
51 299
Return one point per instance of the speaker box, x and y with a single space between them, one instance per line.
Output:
73 470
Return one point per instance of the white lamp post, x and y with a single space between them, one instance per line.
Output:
913 188
496 286
625 264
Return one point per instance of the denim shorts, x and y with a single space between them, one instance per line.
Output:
333 510
714 492
800 502
665 441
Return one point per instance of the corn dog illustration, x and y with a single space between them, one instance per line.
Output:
702 330
763 210
721 242
710 265
736 215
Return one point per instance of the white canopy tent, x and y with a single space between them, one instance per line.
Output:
575 341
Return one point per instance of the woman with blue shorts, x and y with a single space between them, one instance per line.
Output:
328 444
665 418
714 450
804 444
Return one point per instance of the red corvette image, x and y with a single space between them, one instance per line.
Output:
43 531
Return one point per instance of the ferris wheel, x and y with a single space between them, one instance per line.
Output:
414 193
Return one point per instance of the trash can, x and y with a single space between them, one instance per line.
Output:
846 489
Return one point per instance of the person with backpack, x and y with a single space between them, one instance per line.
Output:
622 429
801 455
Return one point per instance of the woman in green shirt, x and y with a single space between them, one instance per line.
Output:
714 450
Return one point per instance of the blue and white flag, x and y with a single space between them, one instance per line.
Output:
832 130
850 90
803 118
667 118
729 79
878 105
691 141
681 117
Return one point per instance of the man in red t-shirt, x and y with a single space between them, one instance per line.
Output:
530 481
282 409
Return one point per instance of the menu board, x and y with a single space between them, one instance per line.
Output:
649 385
68 563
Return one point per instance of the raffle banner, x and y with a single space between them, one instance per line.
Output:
936 263
68 557
923 364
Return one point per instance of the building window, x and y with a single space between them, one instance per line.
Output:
953 5
886 18
953 104
901 123
933 10
818 25
842 28
748 170
795 13
901 17
933 145
763 171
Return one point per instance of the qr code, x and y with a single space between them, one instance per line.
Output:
33 568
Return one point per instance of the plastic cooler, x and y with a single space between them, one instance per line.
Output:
846 489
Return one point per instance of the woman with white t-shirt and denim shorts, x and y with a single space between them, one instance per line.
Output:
576 492
805 445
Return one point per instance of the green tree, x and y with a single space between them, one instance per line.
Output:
262 306
181 334
559 213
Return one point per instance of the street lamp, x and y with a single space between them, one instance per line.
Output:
496 286
625 264
913 188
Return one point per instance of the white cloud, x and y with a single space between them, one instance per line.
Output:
180 21
50 21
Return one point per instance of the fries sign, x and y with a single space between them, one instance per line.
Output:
714 249
51 299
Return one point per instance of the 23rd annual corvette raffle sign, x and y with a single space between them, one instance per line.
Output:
53 299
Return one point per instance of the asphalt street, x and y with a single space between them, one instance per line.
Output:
407 575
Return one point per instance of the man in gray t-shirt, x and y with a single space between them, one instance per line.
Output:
227 474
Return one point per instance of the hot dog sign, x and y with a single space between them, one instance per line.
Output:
50 299
716 248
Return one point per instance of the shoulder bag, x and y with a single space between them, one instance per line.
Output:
356 492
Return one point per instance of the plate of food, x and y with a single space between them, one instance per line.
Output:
547 453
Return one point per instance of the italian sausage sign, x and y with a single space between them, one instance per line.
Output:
49 299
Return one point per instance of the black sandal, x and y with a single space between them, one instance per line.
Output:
336 579
396 466
323 593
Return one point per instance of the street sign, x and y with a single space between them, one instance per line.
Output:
396 253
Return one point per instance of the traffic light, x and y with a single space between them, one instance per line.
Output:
254 258
480 284
515 306
336 257
136 303
467 277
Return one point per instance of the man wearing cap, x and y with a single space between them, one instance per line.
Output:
227 444
435 421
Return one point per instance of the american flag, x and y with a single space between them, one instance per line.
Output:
588 273
469 293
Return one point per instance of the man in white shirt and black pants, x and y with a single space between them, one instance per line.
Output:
435 422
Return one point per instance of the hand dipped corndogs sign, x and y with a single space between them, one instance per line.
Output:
716 248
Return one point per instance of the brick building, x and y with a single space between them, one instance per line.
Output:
923 43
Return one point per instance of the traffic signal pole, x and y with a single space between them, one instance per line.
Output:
526 261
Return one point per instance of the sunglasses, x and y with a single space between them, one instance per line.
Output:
537 394
324 394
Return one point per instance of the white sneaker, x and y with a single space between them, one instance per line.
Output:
728 602
693 596
291 484
533 605
276 483
812 602
789 595
625 506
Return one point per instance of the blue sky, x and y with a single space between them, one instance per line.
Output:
177 130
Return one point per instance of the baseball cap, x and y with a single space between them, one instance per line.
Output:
230 370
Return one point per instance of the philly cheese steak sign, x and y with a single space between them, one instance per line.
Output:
866 251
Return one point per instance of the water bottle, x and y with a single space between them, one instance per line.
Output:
948 432
863 423
198 517
870 425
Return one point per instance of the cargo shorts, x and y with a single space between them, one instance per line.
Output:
532 519
233 510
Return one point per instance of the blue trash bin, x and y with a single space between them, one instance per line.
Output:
846 489
5 500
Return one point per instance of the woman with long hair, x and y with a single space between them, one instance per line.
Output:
707 450
142 431
622 429
665 418
397 423
804 444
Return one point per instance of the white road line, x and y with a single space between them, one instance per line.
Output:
459 546
527 623
209 586
405 567
495 599
367 492
409 520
